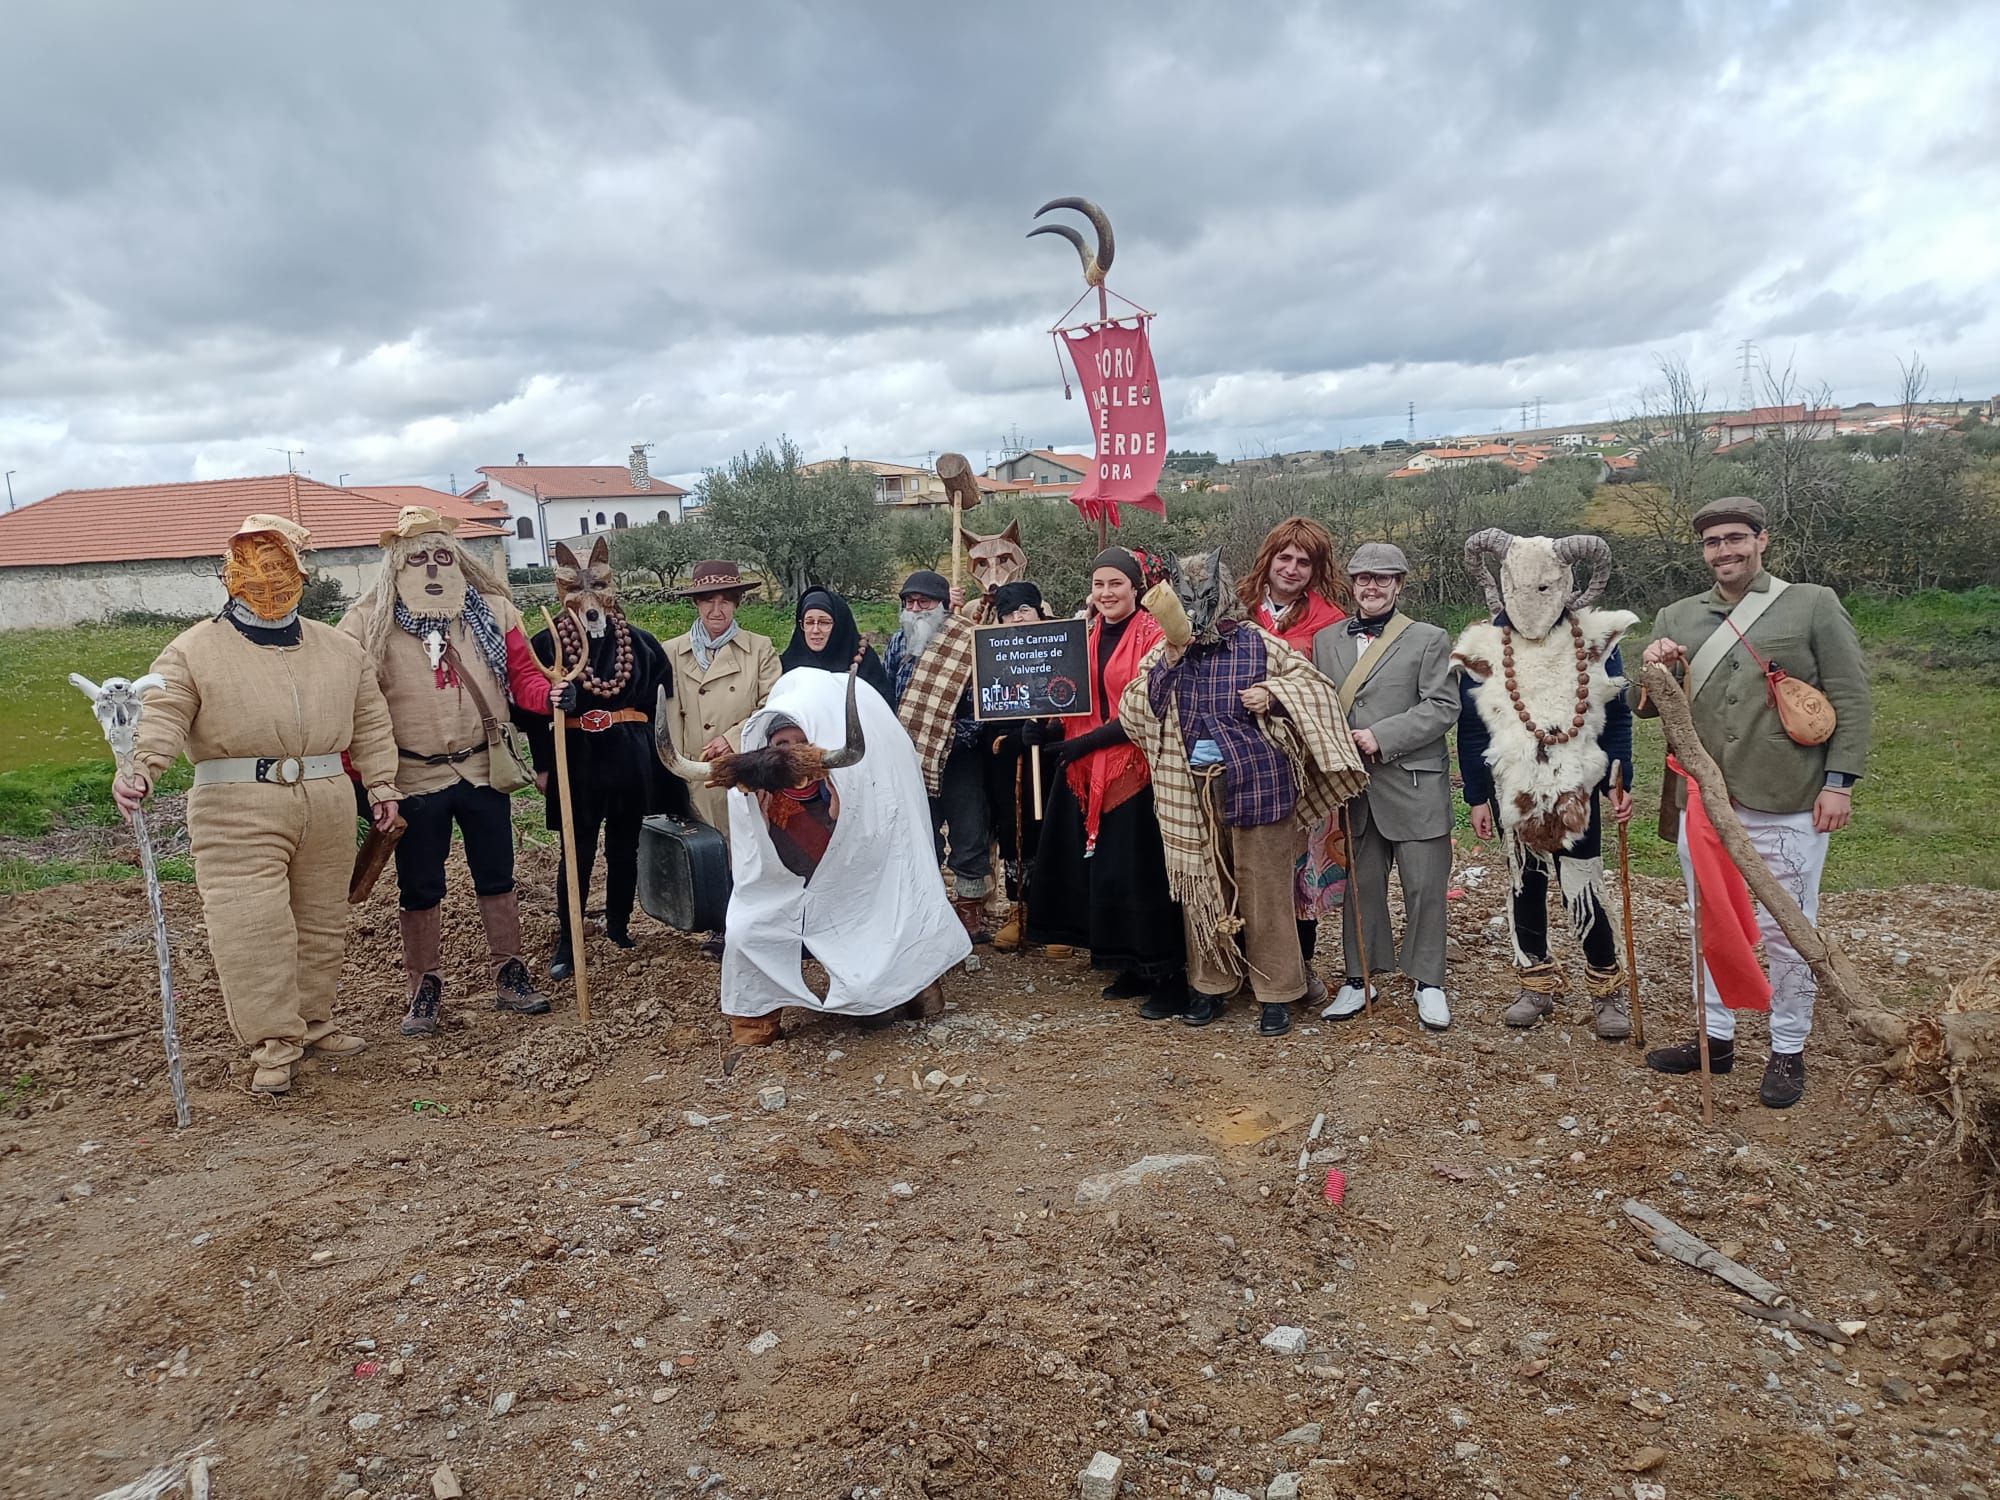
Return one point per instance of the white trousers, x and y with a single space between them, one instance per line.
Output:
1795 852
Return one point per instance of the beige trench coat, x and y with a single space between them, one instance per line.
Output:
716 702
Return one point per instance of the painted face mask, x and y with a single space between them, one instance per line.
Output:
429 580
262 573
1207 594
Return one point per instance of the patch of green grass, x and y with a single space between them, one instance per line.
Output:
36 799
22 1087
48 720
877 617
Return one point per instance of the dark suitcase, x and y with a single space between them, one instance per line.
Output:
683 873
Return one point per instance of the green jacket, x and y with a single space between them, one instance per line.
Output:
1808 634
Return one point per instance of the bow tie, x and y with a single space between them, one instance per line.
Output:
1358 627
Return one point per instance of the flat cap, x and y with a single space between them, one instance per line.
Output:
1732 508
1377 557
925 583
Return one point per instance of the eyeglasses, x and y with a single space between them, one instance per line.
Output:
1727 539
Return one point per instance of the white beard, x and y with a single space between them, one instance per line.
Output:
920 628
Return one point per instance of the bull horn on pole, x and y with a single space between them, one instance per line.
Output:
1095 267
695 771
856 746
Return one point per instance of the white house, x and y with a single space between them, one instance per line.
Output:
547 503
86 555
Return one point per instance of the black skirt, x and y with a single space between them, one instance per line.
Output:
1115 903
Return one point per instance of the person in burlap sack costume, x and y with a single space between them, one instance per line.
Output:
265 704
450 654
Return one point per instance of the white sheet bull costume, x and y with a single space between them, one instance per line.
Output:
848 875
1542 721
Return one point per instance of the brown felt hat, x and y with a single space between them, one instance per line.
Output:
716 577
1732 508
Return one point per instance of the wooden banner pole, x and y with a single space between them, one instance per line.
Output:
564 802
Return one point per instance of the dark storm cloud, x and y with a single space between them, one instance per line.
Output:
415 239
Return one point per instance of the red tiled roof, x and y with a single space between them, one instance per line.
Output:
1623 461
444 502
1770 416
146 521
576 481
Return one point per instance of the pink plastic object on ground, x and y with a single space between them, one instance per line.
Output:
1336 1185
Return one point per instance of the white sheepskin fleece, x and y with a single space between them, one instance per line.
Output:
1545 672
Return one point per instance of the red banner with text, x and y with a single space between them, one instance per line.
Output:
1114 364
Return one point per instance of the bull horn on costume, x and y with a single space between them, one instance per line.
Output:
1493 543
850 752
1575 549
696 771
1095 267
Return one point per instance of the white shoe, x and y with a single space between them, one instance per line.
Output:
1432 1010
1348 1001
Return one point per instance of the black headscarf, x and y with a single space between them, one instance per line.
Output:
1124 562
840 646
1012 596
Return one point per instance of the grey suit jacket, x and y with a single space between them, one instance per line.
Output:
1409 701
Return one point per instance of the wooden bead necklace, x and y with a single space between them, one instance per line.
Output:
1547 737
575 646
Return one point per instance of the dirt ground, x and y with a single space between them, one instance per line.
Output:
575 1261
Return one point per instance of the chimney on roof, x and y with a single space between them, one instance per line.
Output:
642 477
520 460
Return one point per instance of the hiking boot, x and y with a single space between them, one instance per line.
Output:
1433 1010
1529 1007
1013 931
972 912
424 1005
1316 995
1127 986
1349 1001
926 1004
336 1046
1611 1017
1784 1080
1170 999
515 992
1274 1020
1685 1057
758 1031
272 1080
1202 1009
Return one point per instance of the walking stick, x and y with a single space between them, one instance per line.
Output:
118 704
557 675
1625 889
1701 1015
1354 904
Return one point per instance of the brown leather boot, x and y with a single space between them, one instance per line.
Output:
926 1004
423 942
972 912
1013 931
755 1031
513 989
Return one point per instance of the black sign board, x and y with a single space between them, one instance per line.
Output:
1035 671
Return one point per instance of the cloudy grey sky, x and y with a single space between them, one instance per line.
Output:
412 239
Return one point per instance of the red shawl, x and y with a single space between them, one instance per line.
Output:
1320 613
1728 917
1105 778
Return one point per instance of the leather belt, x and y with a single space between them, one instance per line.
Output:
273 770
597 720
449 758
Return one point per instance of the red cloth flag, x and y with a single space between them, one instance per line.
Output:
1114 365
1728 915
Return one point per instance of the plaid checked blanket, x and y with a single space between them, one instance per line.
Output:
1311 734
931 699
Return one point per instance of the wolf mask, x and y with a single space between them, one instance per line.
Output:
587 589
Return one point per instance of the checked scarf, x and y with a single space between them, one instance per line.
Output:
931 700
478 617
1311 734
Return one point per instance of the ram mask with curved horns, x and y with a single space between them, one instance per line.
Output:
1095 267
773 768
1536 581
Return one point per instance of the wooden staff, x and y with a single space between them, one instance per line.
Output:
1354 905
1035 775
557 675
1625 889
1701 1015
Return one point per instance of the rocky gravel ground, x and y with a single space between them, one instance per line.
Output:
1037 1247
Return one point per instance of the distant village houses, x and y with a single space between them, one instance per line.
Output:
549 503
88 555
1815 424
